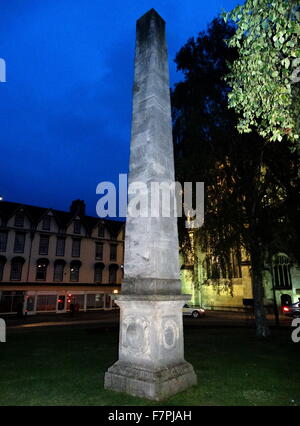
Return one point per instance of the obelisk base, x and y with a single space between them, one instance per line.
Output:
155 385
151 360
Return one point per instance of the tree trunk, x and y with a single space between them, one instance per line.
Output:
262 328
255 246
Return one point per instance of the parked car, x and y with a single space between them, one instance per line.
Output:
292 310
191 311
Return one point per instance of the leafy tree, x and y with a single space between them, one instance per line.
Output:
265 76
246 180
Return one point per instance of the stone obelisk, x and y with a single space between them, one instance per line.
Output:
151 355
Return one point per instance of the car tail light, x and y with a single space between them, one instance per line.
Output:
286 309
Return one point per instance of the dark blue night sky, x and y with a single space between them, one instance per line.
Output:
65 109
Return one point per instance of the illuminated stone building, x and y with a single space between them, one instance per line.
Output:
216 287
50 259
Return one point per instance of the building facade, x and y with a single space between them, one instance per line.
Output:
51 259
216 288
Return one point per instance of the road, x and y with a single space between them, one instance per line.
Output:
111 319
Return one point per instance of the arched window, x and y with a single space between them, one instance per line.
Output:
74 270
41 269
282 272
16 268
113 273
2 264
98 272
59 266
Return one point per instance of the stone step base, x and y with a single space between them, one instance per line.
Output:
150 384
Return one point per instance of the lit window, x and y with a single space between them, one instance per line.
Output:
41 269
74 271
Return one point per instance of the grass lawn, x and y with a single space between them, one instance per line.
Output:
66 365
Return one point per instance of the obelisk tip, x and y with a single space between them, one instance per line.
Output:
150 13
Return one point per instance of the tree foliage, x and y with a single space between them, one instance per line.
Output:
264 78
250 185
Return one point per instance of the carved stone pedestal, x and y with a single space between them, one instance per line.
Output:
151 357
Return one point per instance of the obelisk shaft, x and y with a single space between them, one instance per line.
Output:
151 245
151 360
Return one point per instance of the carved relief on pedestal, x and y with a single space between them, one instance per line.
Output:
135 335
170 332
